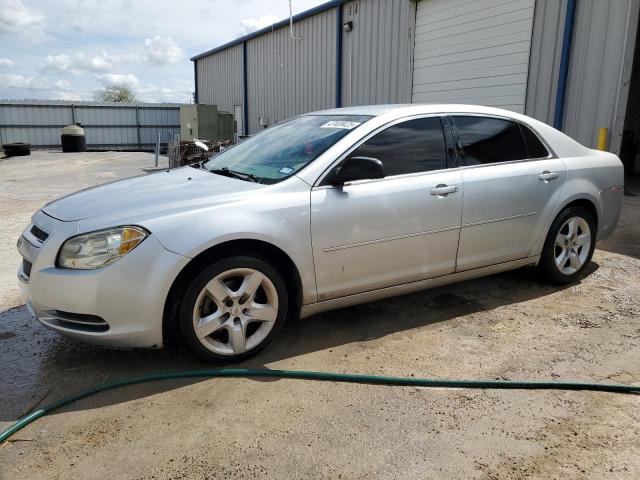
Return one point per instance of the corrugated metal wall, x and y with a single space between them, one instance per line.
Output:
287 77
220 79
377 53
380 65
603 42
107 126
600 40
473 52
544 60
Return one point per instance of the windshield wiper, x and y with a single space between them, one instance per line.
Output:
233 173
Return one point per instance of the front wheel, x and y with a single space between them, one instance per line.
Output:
233 309
569 245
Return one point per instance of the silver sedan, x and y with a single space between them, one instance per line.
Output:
319 212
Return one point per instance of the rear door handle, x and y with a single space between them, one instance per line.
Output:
443 190
546 176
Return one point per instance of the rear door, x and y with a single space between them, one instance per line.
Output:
372 234
512 185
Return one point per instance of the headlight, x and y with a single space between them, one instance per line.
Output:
97 249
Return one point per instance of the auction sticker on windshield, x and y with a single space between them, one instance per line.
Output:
340 124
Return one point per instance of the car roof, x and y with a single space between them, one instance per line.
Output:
414 108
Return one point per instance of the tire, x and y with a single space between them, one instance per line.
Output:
18 149
570 240
242 299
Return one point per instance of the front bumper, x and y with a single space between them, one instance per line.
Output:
128 295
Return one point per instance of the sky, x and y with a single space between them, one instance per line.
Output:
68 49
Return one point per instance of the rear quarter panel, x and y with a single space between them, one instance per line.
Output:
597 177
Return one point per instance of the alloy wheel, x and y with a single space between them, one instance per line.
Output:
572 246
235 311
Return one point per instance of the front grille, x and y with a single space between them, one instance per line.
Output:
39 233
26 267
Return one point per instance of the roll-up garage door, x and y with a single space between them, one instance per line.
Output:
472 51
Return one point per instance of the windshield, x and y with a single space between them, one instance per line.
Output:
282 150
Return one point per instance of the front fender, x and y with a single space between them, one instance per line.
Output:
279 218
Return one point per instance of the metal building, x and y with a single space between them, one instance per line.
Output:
569 63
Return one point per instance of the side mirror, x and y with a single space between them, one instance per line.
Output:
357 168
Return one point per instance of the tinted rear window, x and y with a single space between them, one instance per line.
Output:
535 148
489 140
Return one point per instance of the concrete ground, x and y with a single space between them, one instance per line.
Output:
509 326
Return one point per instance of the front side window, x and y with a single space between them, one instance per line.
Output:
284 149
489 140
408 147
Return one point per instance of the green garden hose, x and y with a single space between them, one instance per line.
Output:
324 376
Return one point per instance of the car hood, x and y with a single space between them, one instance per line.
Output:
145 195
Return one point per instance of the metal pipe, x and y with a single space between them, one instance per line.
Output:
138 125
157 148
339 54
293 37
245 92
565 56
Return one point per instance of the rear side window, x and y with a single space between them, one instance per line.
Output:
489 140
535 148
408 147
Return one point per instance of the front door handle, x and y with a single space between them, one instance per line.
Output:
443 190
546 176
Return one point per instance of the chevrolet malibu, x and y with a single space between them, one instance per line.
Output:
319 212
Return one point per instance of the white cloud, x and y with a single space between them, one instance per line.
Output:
249 25
112 79
59 64
162 51
16 18
62 84
20 81
6 62
82 62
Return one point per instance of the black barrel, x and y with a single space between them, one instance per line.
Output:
73 139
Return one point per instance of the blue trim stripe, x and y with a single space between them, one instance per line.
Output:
565 56
195 81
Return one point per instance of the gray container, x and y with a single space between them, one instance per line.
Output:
73 139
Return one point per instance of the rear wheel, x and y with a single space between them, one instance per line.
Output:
233 309
569 245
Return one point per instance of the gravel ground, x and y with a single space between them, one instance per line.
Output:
508 326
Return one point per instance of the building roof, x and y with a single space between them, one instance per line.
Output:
276 26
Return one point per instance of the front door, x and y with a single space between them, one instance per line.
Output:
372 234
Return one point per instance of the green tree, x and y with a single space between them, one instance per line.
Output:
121 93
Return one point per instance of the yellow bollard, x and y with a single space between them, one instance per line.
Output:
602 138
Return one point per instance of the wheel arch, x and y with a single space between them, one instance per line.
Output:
252 247
586 203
